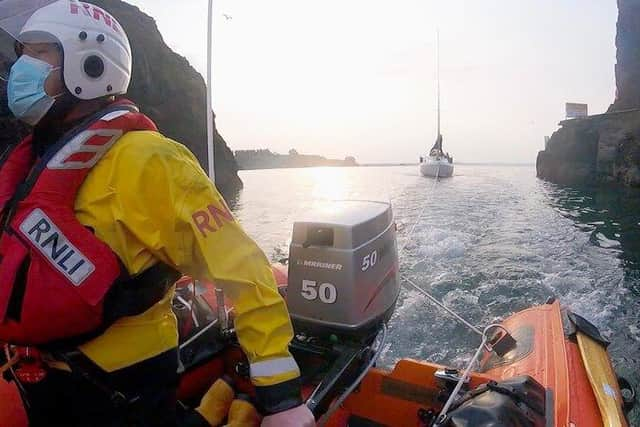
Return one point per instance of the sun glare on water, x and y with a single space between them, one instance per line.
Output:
328 183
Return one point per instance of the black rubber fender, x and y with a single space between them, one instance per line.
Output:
628 394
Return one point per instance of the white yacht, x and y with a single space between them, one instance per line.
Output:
438 164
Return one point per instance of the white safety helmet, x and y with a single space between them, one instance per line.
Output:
97 54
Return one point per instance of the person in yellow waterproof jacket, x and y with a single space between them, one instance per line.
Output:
150 201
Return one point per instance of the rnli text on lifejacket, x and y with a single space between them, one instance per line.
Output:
55 246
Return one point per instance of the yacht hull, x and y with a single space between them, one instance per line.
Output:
436 168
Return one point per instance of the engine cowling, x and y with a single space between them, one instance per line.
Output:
343 269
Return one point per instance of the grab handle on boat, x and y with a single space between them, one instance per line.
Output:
628 394
502 343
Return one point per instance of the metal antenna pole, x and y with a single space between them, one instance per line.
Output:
438 74
210 148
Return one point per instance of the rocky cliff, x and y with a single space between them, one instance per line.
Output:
603 148
167 89
627 56
606 147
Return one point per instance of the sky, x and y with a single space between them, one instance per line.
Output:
358 77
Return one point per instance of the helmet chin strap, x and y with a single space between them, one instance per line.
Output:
63 105
52 126
55 122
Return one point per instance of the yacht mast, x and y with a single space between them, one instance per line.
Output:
438 75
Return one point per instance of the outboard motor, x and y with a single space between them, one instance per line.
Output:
343 284
343 270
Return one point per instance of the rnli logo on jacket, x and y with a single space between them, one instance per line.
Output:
219 214
50 241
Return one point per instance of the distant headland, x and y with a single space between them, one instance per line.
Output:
266 159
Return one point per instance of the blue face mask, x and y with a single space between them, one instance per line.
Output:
28 99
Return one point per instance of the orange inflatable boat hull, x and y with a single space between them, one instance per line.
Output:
401 397
396 398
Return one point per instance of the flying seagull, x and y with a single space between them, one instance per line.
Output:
227 17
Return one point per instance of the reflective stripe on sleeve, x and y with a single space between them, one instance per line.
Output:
273 367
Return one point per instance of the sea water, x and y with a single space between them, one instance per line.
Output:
488 242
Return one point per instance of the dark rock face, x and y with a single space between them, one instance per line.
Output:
570 154
166 88
627 56
604 148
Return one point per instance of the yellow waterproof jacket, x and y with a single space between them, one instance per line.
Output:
150 201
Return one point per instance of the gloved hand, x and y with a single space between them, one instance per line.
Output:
215 404
220 403
300 416
243 414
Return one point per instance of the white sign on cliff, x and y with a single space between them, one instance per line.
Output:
576 111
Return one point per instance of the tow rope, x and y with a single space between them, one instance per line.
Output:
11 361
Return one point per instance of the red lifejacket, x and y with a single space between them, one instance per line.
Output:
54 273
